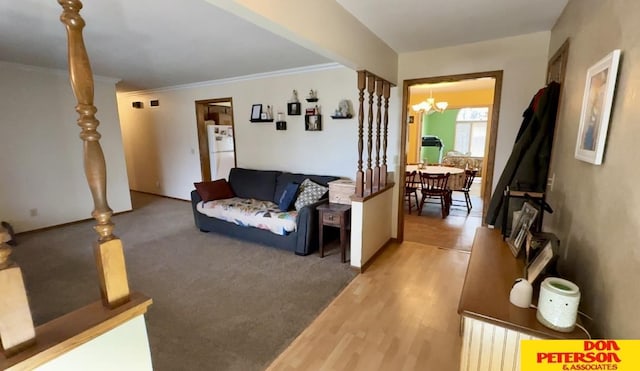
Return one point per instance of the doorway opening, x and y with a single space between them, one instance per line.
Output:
460 134
216 137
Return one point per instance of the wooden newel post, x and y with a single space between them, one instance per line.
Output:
108 249
376 169
362 78
16 325
371 86
383 171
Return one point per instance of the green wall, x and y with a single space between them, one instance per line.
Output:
442 125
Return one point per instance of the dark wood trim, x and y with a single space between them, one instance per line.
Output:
374 194
560 56
492 135
203 145
490 158
375 256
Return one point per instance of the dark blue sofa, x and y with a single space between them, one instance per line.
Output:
267 185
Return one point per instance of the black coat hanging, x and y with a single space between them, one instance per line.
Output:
528 166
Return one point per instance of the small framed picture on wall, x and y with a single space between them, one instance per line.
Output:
293 109
256 111
312 122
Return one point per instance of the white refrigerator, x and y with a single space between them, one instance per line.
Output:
221 153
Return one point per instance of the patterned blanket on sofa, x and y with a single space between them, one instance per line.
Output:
251 213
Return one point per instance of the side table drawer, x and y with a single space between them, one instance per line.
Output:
329 218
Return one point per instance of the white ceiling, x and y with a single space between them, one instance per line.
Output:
411 25
148 43
157 43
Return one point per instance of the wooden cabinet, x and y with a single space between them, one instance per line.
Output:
492 326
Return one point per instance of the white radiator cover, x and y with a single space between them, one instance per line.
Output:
487 347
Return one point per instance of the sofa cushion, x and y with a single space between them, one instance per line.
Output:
310 192
258 184
286 178
216 190
288 196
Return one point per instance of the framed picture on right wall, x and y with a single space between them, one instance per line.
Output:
596 108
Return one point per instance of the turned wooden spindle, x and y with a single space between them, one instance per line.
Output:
82 84
371 86
108 250
383 171
376 170
362 78
16 324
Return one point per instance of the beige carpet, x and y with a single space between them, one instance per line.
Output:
219 303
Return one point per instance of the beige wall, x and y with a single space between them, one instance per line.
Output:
598 207
42 154
324 27
523 60
161 143
372 226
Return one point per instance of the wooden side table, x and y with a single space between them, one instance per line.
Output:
334 215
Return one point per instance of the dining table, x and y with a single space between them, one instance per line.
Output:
456 175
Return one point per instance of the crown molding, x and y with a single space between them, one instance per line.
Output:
55 71
230 80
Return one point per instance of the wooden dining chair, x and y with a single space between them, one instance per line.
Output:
469 176
411 184
435 186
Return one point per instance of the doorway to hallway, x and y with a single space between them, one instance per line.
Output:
216 137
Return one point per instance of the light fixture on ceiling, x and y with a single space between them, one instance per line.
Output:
430 105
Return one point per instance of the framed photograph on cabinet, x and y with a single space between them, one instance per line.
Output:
540 263
521 224
256 112
596 108
293 109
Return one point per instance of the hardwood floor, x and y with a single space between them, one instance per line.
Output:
401 313
456 231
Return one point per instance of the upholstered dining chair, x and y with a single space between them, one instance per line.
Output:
469 176
411 184
435 186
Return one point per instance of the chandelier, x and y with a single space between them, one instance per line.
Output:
430 105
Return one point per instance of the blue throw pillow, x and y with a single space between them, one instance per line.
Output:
288 196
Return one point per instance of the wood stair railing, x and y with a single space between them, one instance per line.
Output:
374 178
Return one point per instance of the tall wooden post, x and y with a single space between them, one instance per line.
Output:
371 85
383 172
362 78
16 325
108 249
376 170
